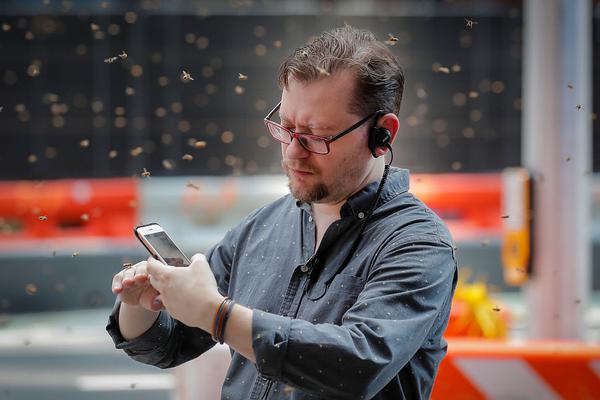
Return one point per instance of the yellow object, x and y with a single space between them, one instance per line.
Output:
475 314
516 217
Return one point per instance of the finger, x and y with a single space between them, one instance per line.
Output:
198 260
198 256
157 304
155 268
156 284
117 283
128 275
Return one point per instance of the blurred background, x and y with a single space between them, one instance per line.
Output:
118 113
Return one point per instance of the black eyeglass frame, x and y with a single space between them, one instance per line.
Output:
326 139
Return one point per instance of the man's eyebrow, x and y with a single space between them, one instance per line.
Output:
313 125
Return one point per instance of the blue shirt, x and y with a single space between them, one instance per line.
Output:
323 328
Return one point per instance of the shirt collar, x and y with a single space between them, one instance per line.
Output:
359 203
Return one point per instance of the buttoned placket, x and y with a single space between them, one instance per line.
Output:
291 301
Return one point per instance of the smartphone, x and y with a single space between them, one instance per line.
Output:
159 244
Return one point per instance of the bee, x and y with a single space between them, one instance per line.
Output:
323 71
136 151
123 55
186 76
110 60
75 254
579 107
127 265
496 309
242 77
191 185
570 85
31 289
391 40
470 23
168 164
146 173
504 216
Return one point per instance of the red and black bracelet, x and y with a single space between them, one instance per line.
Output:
220 319
226 313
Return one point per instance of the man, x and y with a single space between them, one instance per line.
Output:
343 288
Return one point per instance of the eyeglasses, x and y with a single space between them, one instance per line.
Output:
313 143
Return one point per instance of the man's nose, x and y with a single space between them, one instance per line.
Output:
295 150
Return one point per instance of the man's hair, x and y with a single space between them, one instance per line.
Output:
379 80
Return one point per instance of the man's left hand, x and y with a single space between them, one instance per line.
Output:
189 294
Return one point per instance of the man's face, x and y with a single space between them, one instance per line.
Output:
321 108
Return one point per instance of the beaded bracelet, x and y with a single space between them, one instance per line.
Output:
226 313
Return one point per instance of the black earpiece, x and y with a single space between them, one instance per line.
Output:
378 137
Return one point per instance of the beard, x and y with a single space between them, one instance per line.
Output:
303 191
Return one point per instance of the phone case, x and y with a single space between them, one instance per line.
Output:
137 235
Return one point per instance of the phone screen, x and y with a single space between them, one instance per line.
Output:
167 249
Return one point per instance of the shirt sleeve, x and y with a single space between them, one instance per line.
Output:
166 344
407 296
169 342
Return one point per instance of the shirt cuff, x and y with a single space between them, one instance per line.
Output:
270 335
147 341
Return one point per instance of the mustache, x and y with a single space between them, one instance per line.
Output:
287 166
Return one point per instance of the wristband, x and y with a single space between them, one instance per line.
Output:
217 318
226 313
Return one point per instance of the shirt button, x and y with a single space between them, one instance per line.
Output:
361 215
304 268
309 219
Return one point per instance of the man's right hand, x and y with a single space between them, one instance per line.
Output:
133 287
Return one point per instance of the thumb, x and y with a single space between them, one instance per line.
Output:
197 260
155 268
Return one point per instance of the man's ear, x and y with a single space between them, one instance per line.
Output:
392 124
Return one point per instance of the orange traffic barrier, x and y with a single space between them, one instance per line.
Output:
67 208
468 203
492 369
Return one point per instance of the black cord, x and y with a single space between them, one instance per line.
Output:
315 272
369 213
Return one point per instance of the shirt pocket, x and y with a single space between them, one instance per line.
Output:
328 303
